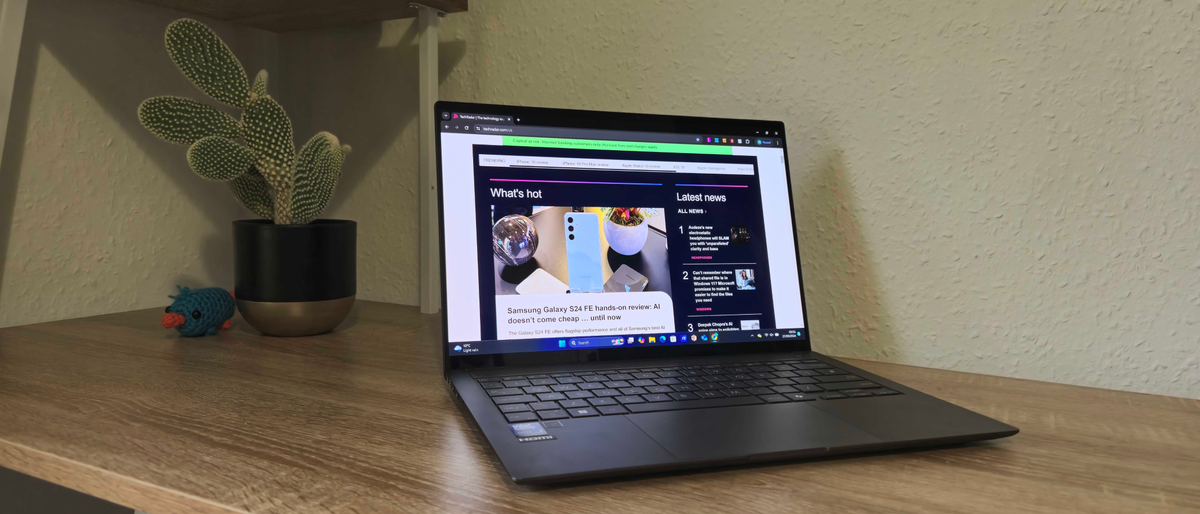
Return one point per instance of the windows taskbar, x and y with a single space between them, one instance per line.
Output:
587 342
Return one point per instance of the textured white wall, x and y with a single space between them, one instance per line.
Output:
998 187
96 214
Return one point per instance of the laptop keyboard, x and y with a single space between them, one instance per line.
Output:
606 393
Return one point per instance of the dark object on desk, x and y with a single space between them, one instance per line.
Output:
295 280
200 312
637 409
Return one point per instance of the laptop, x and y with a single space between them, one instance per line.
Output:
622 294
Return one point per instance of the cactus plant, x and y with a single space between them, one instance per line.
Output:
265 173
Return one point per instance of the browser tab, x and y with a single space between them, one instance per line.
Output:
469 118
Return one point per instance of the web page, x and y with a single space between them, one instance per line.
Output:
566 244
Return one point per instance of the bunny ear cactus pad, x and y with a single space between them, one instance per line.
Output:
185 121
207 62
259 89
268 132
217 158
318 168
251 189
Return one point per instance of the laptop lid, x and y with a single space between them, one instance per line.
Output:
582 236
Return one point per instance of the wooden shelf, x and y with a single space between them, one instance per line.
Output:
292 15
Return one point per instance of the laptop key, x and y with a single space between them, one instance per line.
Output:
800 397
809 388
759 391
857 394
582 413
642 383
505 391
774 398
514 407
849 385
590 386
708 386
521 416
621 376
595 378
570 380
617 384
660 389
832 371
709 394
886 392
785 389
549 397
781 381
734 392
562 388
685 396
543 381
633 390
612 410
516 383
805 380
552 414
669 374
524 398
491 385
685 387
543 405
536 389
645 376
571 404
630 399
693 404
575 395
598 402
667 381
654 398
607 392
838 378
833 396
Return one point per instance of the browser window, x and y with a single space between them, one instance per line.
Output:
566 238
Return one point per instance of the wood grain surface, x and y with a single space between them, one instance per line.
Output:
359 421
291 15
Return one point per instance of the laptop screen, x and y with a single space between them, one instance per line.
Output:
560 238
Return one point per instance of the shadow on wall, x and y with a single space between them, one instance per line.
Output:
104 47
845 310
345 80
359 83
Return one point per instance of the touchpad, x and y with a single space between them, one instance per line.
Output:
705 434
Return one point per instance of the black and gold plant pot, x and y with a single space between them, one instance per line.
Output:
295 280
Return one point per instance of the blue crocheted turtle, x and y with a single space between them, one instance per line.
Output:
200 312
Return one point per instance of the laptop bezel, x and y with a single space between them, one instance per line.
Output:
615 121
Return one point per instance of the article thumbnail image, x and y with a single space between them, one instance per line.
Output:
744 278
556 250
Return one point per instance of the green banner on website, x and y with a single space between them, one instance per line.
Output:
625 146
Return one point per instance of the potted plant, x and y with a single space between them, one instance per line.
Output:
625 228
295 274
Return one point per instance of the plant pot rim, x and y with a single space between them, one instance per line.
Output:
316 222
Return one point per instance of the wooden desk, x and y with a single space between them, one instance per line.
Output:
359 421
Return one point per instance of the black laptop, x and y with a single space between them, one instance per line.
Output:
622 294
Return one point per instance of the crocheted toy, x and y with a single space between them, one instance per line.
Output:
200 312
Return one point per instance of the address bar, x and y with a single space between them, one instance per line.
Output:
520 161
